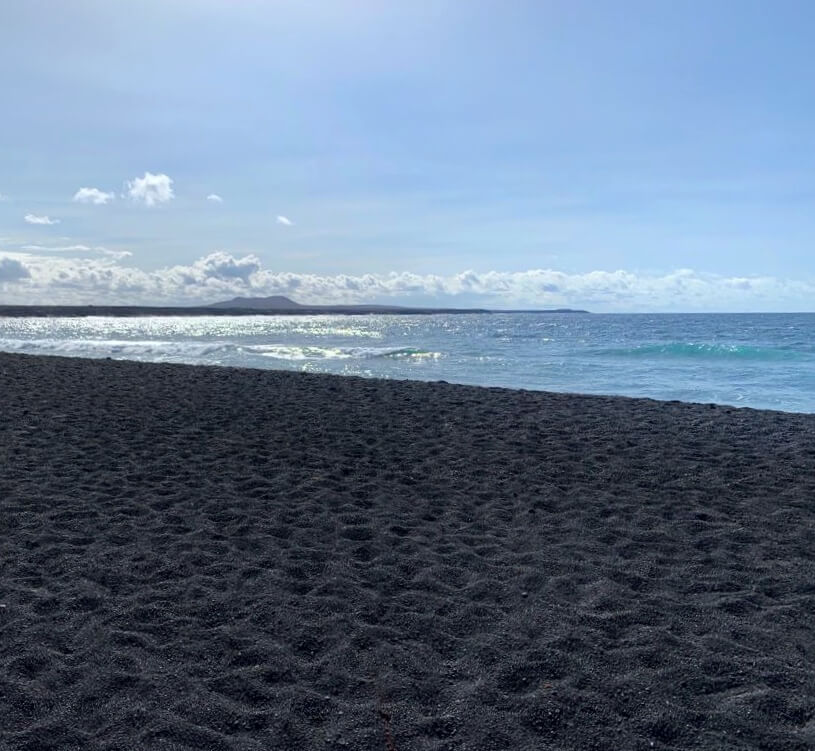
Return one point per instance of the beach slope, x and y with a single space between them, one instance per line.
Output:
211 558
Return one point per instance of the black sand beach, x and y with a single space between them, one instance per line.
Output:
215 559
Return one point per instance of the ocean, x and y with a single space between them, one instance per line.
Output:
746 360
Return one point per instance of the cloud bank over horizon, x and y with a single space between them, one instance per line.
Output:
29 278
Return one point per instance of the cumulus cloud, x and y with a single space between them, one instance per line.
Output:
12 270
221 275
151 189
285 221
215 198
35 219
93 195
222 265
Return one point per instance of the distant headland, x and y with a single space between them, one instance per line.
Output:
242 306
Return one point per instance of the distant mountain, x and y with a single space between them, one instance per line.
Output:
280 304
275 302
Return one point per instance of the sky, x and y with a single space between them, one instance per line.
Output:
626 156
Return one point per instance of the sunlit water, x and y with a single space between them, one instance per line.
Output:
761 360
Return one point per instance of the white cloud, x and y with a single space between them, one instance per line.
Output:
115 254
12 270
220 265
55 248
78 248
222 275
215 198
93 195
151 189
34 219
284 220
3 197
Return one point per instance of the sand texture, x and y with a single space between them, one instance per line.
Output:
216 559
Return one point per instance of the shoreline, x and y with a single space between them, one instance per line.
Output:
726 407
200 556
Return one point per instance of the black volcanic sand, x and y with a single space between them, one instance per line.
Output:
213 559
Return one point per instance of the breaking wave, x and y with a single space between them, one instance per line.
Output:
153 349
298 352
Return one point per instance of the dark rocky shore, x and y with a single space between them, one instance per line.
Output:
210 558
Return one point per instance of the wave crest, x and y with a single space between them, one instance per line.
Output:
187 349
297 352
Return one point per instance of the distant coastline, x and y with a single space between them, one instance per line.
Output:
274 306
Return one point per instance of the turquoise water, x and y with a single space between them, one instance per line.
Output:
756 360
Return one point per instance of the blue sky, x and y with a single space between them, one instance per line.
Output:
621 156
